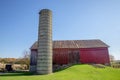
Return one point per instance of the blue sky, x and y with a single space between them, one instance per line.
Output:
72 20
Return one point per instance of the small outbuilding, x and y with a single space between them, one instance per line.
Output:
75 51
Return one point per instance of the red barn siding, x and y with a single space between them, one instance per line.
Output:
94 55
68 55
60 56
65 55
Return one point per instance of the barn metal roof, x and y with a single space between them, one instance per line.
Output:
75 44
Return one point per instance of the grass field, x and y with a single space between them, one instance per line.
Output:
76 72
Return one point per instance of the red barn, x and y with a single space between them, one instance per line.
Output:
76 51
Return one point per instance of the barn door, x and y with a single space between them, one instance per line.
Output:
74 57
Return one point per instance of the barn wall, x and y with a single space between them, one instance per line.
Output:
94 55
65 55
33 60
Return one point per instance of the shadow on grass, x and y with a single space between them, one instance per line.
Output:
16 74
66 67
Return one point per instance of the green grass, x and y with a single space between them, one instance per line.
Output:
76 72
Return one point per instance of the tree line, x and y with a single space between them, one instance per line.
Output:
24 60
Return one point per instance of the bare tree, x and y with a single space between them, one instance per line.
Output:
112 59
26 58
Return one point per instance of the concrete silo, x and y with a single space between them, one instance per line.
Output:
44 57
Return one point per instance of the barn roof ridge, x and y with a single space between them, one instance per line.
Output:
78 40
92 43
